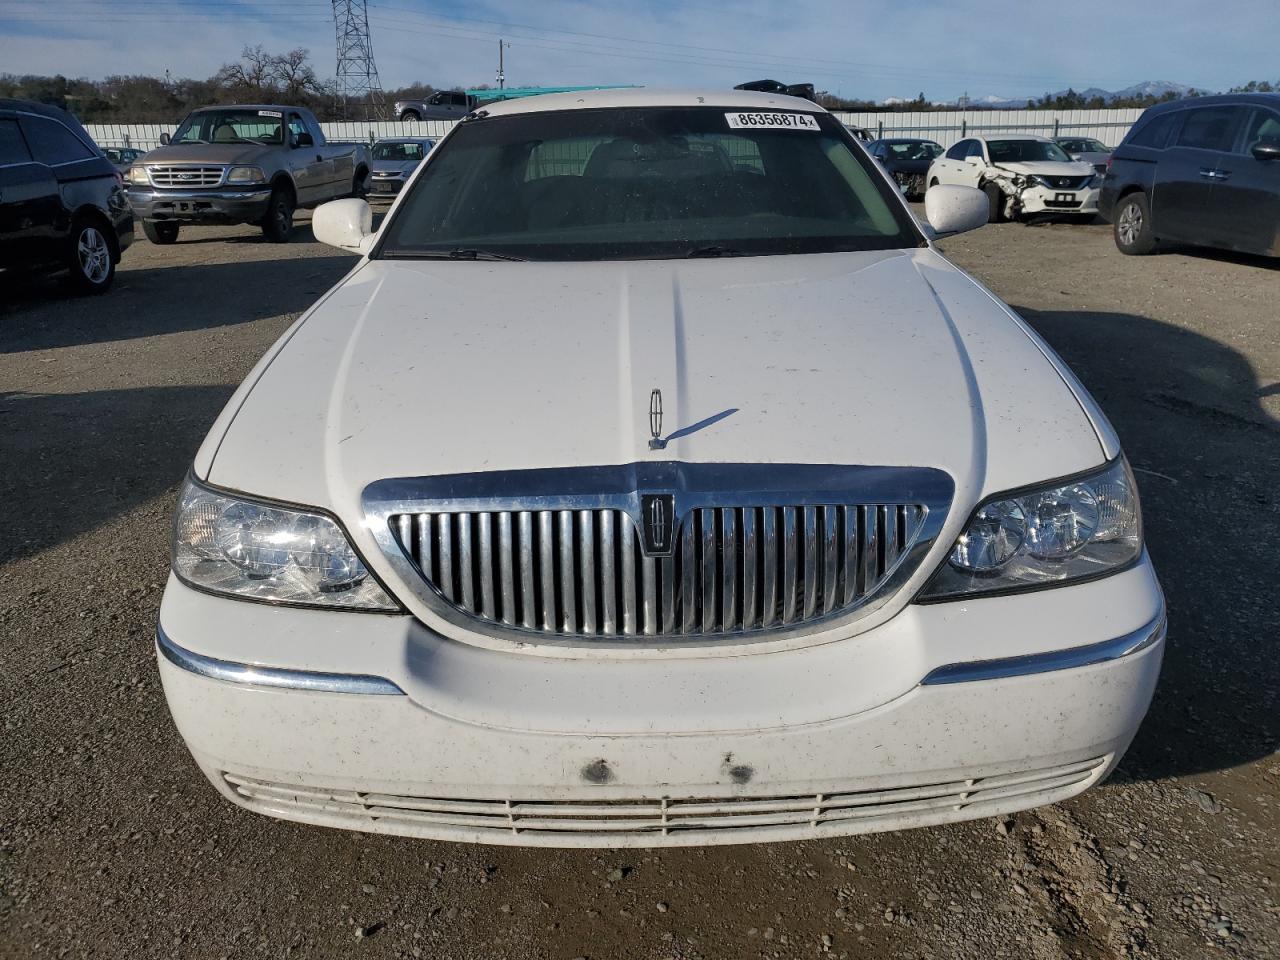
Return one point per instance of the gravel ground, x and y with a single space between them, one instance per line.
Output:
113 845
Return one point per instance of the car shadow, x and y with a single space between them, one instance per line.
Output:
75 461
1206 454
1221 256
42 314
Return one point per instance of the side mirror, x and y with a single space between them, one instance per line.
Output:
345 224
304 139
1266 150
975 159
952 209
164 139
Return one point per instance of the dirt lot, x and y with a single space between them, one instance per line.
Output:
113 845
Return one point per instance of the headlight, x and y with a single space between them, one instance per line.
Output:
256 551
138 174
246 175
1073 530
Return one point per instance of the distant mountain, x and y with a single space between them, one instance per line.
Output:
1147 88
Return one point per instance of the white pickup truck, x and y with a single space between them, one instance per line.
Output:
243 164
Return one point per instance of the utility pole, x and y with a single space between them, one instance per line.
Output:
357 74
502 77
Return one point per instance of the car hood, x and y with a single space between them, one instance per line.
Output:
208 153
394 166
417 368
1049 168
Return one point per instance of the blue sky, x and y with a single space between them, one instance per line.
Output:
864 48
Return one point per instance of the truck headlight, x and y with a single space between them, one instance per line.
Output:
240 548
138 175
246 175
1069 530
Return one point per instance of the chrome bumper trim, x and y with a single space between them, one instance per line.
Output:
272 676
1147 636
189 196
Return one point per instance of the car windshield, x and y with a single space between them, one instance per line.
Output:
397 151
231 126
914 150
650 182
1025 151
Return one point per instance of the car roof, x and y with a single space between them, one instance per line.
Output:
1012 136
905 140
404 140
248 106
1262 99
31 106
647 97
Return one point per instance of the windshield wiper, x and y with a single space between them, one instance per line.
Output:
461 253
713 251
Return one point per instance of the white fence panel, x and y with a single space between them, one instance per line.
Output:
944 126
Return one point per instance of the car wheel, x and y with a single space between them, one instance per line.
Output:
409 115
160 231
278 223
1133 232
995 203
91 258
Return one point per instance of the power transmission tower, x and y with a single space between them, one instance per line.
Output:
358 83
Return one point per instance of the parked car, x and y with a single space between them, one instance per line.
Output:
908 160
445 105
61 203
1203 171
1021 175
394 160
1087 150
122 158
625 495
243 164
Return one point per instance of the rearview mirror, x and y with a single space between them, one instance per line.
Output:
953 209
1266 150
345 224
164 139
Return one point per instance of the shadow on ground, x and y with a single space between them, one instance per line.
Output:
1207 455
76 461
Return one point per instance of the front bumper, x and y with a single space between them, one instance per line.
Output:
1038 199
200 206
385 186
375 723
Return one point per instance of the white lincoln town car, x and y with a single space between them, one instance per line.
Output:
653 480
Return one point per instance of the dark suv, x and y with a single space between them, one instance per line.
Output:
61 202
1203 171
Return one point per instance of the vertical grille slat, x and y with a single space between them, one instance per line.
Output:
568 575
608 574
734 570
627 545
527 558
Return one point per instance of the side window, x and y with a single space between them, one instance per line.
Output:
975 148
297 126
52 143
959 150
1209 128
459 99
437 98
1154 133
1264 127
13 149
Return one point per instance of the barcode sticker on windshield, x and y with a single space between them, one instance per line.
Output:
270 113
772 121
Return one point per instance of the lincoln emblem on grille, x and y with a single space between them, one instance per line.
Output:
655 421
657 523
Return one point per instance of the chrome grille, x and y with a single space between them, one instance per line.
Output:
186 175
583 572
1067 183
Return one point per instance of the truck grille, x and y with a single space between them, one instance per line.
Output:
186 175
583 573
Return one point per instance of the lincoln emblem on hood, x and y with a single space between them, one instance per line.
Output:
655 421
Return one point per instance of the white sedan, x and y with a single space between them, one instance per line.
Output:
652 479
1021 176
